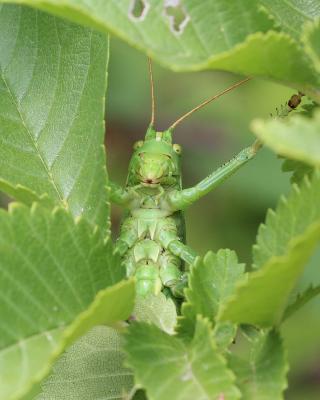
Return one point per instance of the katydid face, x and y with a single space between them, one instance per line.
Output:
156 162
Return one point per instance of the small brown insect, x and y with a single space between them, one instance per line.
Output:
295 100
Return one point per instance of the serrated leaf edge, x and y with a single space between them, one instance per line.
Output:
68 336
208 324
312 229
257 125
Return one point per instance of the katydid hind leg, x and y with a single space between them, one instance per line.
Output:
181 199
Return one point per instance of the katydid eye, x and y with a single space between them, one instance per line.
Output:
177 148
138 144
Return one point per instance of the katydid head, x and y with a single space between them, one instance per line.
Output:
155 160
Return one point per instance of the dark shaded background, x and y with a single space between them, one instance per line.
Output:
230 216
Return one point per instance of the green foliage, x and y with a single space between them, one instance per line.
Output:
95 362
169 368
296 138
211 281
59 277
283 247
36 325
51 119
158 310
298 168
245 37
312 40
291 16
301 300
262 375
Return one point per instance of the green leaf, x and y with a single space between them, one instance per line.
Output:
294 216
212 280
51 270
296 138
284 245
52 88
92 368
170 369
298 168
238 37
291 16
158 310
263 375
311 41
301 300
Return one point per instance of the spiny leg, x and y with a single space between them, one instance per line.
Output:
188 255
183 251
179 200
167 237
128 236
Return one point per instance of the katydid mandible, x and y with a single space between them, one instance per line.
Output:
152 236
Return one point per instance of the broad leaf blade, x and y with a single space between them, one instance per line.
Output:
296 138
168 368
263 375
92 368
211 281
52 88
51 271
284 245
239 37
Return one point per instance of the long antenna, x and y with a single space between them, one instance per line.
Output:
152 92
208 101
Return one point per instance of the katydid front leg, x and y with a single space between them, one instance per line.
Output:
125 197
181 199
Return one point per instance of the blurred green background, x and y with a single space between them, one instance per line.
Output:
228 217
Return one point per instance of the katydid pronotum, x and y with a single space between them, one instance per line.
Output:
152 237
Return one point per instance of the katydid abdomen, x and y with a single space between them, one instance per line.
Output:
146 231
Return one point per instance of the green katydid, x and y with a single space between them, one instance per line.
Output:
152 238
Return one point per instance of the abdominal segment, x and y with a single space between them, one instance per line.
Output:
153 267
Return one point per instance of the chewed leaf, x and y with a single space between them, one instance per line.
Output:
52 88
242 37
58 279
138 9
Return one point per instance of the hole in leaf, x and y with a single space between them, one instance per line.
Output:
138 9
177 15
